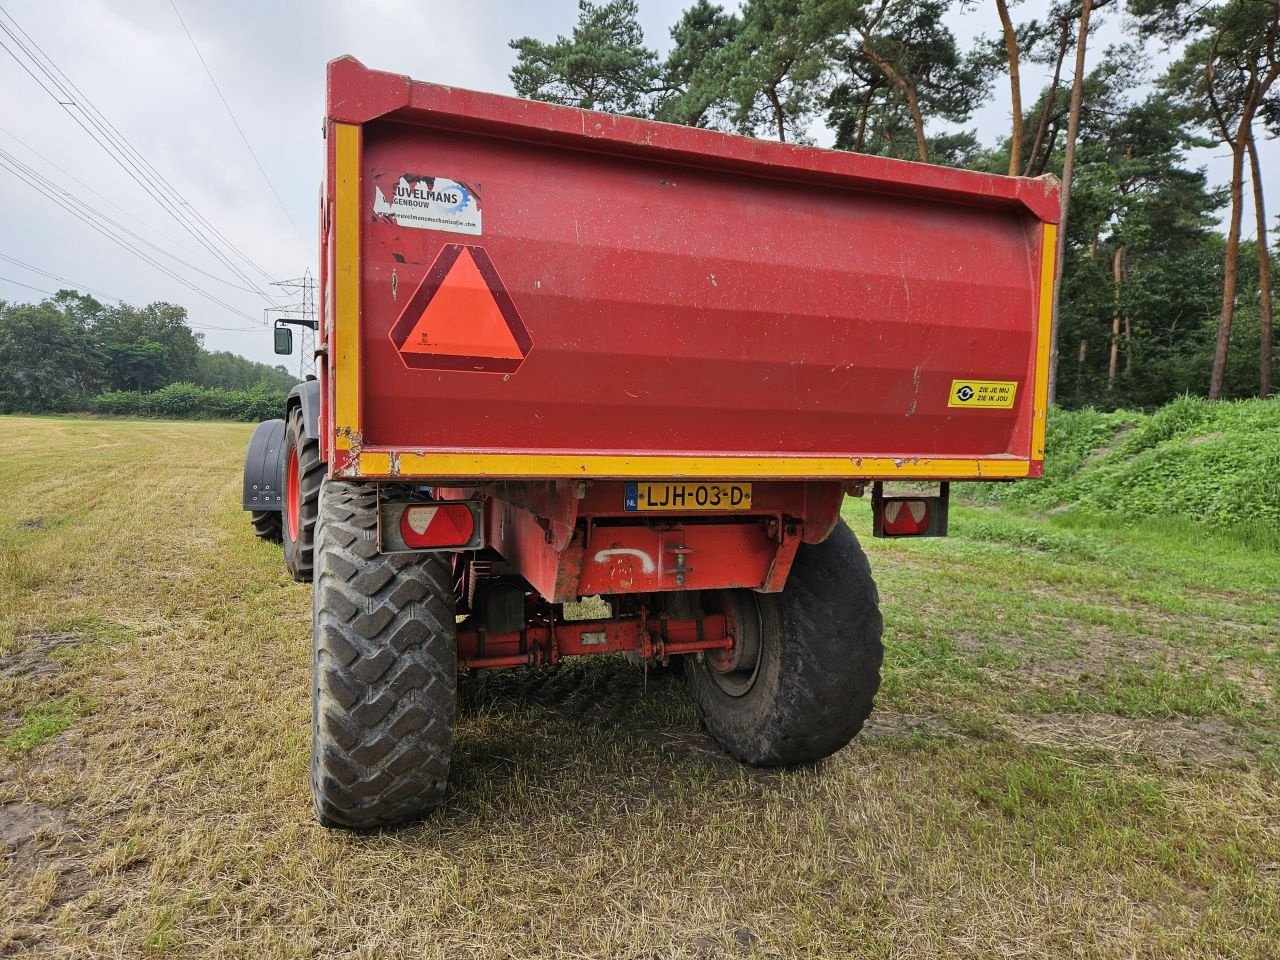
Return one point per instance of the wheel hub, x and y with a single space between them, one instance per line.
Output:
734 670
293 495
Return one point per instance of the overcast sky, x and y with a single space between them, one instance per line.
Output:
133 61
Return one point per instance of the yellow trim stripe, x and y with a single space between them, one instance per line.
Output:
346 284
1040 407
377 463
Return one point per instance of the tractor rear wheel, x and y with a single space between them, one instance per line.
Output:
384 682
805 667
302 472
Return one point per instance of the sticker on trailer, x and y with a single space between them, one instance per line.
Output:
426 203
983 394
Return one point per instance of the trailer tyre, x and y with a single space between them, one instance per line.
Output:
384 670
807 664
267 525
302 470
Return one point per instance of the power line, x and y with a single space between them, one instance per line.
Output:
66 94
116 153
105 199
239 130
54 276
19 283
4 162
59 194
45 185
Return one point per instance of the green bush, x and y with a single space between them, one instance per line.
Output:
186 401
1215 463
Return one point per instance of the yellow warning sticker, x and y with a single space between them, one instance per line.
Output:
988 394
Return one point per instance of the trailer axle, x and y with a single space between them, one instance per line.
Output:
550 641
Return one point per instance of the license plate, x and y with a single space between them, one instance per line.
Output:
688 496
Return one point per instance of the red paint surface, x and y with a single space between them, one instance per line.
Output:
688 292
641 559
568 546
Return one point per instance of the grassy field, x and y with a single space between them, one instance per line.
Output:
1076 752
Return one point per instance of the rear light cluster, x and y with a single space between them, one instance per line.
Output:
909 516
444 525
906 518
429 525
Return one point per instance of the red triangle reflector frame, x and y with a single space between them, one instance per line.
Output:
461 318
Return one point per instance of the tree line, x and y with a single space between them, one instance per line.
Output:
64 352
1154 299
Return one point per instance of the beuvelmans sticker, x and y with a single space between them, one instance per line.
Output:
987 394
427 203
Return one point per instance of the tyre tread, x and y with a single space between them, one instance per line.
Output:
267 525
385 671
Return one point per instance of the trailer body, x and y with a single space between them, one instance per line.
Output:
524 300
565 354
689 304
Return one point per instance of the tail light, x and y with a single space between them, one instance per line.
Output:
909 516
443 525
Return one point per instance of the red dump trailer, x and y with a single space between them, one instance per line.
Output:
566 354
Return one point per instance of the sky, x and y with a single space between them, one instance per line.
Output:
134 62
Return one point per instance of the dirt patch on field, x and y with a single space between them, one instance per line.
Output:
42 861
1091 649
1204 438
33 659
21 822
1205 743
900 726
684 741
609 690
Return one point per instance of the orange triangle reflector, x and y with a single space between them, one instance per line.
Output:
461 317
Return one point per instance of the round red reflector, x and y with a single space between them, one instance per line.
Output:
427 525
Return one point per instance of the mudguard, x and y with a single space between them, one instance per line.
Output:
307 394
263 465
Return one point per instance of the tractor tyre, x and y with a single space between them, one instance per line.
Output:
267 525
302 470
384 681
805 669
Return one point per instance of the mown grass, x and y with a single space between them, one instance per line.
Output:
1076 752
43 722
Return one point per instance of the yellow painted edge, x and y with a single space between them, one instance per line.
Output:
1040 406
378 463
375 463
346 284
